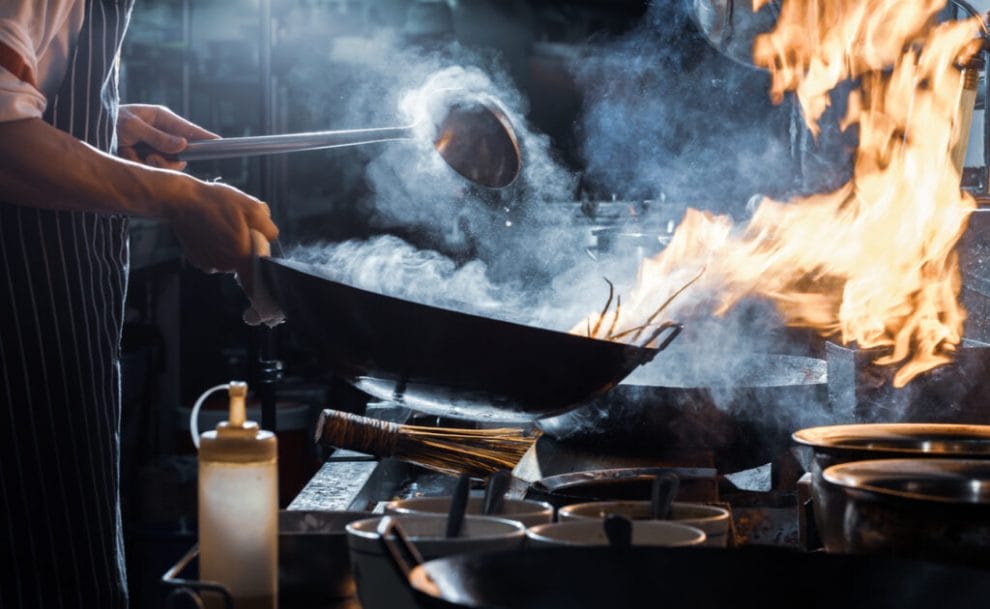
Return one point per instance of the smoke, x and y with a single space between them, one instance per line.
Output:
389 265
666 113
665 117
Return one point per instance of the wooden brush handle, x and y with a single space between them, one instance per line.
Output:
354 432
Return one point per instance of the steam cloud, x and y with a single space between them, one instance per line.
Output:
664 114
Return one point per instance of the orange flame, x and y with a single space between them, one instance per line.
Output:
874 261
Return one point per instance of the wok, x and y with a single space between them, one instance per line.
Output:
745 418
770 578
442 361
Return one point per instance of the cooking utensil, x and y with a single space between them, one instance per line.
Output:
935 509
442 361
474 137
664 412
713 520
695 578
662 495
498 482
458 506
836 444
449 450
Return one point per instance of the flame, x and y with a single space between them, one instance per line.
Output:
874 261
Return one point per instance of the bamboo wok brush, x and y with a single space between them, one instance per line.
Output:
476 452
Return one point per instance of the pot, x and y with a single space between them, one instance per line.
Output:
836 444
937 509
445 362
711 519
695 578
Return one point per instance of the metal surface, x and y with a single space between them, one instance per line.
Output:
655 411
920 508
442 361
731 26
579 578
474 137
696 484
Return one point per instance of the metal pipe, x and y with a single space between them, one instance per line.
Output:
232 147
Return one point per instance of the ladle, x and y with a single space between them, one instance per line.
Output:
475 138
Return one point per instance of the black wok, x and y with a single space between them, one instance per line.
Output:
443 361
769 578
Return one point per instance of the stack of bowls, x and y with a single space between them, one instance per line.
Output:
910 489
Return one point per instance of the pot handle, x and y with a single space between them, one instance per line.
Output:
394 548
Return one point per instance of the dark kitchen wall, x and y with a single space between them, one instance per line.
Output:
638 71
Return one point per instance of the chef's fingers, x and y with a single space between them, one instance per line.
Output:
171 122
157 160
156 138
259 218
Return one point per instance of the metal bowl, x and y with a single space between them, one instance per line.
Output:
837 444
916 508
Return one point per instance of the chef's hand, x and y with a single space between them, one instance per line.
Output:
222 229
213 222
158 128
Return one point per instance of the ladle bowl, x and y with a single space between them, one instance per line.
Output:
474 137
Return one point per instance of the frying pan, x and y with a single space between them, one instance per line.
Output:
702 578
446 362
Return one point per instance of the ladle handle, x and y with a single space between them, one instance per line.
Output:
235 147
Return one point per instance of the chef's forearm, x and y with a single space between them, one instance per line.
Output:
41 166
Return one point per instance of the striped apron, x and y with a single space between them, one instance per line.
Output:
63 276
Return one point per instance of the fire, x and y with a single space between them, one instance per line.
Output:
873 262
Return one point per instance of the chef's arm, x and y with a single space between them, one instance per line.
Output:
41 166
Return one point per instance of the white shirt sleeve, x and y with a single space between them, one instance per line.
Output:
41 32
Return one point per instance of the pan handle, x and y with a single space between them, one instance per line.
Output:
394 549
675 331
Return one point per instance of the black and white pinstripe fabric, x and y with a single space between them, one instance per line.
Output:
63 276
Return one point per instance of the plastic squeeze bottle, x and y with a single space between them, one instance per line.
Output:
238 508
